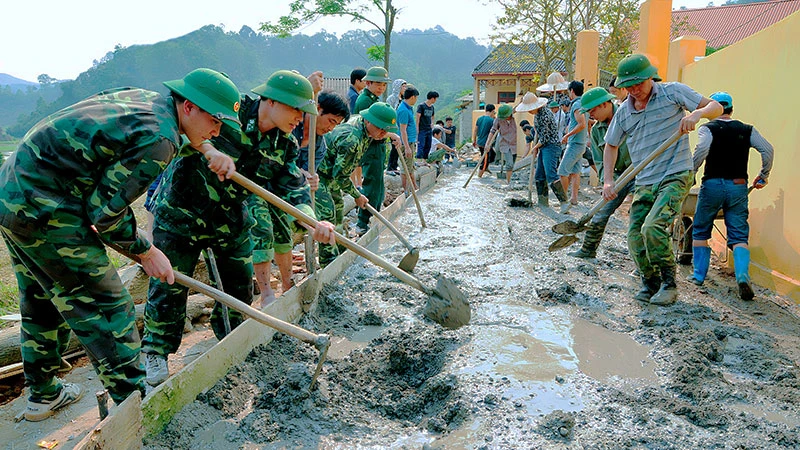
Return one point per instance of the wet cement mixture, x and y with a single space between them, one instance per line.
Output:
557 355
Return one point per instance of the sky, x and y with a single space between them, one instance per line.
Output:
68 36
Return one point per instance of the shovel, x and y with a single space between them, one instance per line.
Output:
569 228
447 305
402 159
409 262
321 342
479 165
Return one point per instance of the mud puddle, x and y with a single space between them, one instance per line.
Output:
558 354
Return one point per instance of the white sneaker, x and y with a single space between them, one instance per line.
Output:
36 411
156 368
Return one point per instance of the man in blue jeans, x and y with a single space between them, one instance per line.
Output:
724 144
425 120
575 138
408 135
598 102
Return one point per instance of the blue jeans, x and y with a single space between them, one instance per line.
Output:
424 143
571 163
547 163
716 194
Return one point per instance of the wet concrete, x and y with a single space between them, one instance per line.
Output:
557 353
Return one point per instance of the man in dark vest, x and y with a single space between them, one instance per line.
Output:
724 144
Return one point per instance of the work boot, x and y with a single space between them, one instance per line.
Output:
39 409
649 288
584 253
558 190
542 192
741 265
156 368
701 258
668 294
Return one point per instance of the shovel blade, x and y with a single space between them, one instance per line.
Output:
448 305
562 242
568 227
409 262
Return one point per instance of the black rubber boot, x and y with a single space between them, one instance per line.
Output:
668 294
649 288
542 192
558 190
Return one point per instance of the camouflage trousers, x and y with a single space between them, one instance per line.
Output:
66 281
597 226
165 311
653 209
330 206
272 232
373 163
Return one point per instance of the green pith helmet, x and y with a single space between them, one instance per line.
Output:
378 74
290 88
504 111
595 96
211 91
382 116
635 69
553 104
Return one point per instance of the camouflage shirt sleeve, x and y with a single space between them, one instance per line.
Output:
85 165
346 145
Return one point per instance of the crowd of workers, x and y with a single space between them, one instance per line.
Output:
69 186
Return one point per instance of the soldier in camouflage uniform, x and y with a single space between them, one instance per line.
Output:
346 145
195 210
598 103
67 190
332 110
373 162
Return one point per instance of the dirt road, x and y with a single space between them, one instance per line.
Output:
558 354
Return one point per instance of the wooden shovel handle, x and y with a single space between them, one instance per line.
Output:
389 225
311 223
318 340
630 173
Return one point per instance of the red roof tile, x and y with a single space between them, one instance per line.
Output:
724 25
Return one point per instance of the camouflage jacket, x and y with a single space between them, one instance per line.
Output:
346 145
85 165
193 202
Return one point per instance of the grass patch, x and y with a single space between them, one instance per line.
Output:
9 298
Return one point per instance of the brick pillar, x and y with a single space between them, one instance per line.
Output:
682 52
586 55
654 32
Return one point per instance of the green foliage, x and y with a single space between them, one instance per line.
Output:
711 50
553 27
303 12
431 59
376 53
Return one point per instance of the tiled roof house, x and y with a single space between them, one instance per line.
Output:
724 25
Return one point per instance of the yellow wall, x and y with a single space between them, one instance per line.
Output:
760 72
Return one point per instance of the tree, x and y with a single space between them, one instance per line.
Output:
553 26
45 79
307 11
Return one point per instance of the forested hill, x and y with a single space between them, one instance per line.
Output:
431 59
